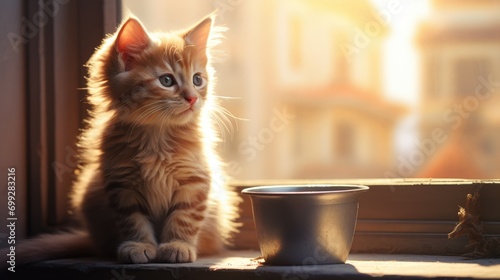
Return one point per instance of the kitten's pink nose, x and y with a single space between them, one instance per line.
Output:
191 99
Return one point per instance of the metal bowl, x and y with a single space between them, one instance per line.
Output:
305 224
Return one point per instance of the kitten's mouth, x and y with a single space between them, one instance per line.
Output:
187 115
193 108
188 111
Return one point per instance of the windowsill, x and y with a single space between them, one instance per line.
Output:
399 216
240 265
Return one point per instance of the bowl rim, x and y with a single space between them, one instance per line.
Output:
350 189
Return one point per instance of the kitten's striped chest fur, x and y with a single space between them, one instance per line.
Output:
165 169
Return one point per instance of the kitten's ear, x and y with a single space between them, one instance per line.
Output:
131 40
198 35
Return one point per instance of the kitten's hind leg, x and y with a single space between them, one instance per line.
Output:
100 221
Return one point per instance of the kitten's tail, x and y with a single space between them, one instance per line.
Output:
46 247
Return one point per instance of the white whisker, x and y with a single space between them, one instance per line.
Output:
227 97
149 110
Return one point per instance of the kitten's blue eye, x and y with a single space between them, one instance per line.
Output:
167 80
197 79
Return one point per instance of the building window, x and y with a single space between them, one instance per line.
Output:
432 76
344 141
467 72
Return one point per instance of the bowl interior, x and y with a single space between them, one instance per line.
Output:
303 189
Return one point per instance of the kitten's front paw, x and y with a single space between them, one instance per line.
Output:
136 252
176 252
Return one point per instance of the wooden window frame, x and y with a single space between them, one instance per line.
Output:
55 59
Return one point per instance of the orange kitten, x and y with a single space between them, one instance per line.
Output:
147 190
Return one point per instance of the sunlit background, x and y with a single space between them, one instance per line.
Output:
353 89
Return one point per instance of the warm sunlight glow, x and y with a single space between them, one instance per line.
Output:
401 57
354 89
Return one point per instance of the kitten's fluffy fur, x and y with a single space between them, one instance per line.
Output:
148 190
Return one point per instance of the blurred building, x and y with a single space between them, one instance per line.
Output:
460 45
342 131
318 62
304 77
